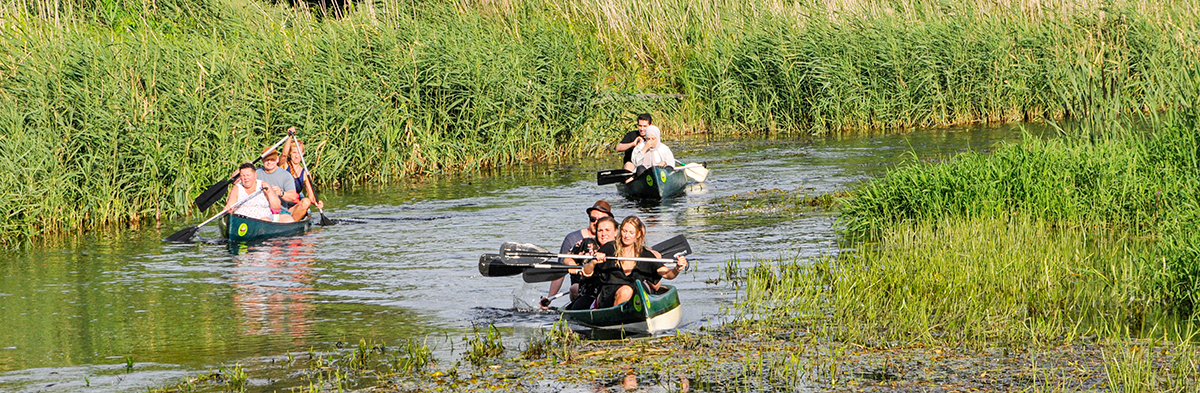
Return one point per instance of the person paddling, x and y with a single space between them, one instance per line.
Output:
282 185
616 277
265 206
577 243
589 287
294 164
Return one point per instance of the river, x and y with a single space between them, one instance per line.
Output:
123 311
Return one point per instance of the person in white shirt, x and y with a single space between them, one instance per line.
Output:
652 152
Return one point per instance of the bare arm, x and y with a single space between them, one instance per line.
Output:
590 267
627 146
231 199
672 272
271 198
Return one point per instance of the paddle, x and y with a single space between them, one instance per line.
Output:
610 176
490 265
696 171
493 265
527 253
546 301
184 235
325 221
677 245
216 191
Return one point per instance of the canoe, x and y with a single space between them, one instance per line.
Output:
655 183
239 228
644 313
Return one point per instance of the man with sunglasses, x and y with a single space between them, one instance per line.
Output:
599 210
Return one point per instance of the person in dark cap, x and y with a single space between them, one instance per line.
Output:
577 243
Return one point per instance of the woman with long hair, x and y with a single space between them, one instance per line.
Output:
616 277
293 161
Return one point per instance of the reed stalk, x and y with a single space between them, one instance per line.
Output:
118 112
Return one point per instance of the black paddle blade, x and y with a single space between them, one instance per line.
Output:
529 252
490 265
325 221
611 176
213 194
542 275
670 247
183 236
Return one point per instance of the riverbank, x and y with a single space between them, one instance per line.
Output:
120 115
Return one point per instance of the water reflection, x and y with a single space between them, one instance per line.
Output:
273 287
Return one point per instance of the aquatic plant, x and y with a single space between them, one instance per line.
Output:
558 342
483 347
1136 183
235 378
412 357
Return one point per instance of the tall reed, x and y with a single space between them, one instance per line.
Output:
133 106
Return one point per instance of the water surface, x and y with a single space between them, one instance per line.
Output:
402 265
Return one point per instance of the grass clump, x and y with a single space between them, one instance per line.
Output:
1009 281
483 347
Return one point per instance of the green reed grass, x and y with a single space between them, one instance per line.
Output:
1135 183
119 112
1008 281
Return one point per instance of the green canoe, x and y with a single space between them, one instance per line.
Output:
655 183
645 313
239 228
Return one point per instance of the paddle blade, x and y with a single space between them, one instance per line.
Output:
542 275
213 194
612 176
524 254
490 265
673 246
183 236
325 221
696 172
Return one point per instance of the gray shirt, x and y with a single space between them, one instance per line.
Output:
281 178
570 242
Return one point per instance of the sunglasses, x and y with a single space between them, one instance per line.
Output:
594 219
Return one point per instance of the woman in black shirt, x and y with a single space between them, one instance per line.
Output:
589 287
615 277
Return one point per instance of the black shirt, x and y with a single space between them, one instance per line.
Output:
610 272
585 247
630 137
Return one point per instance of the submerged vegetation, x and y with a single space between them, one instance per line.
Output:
121 112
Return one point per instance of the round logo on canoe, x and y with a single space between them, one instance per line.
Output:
650 179
242 229
637 304
662 177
